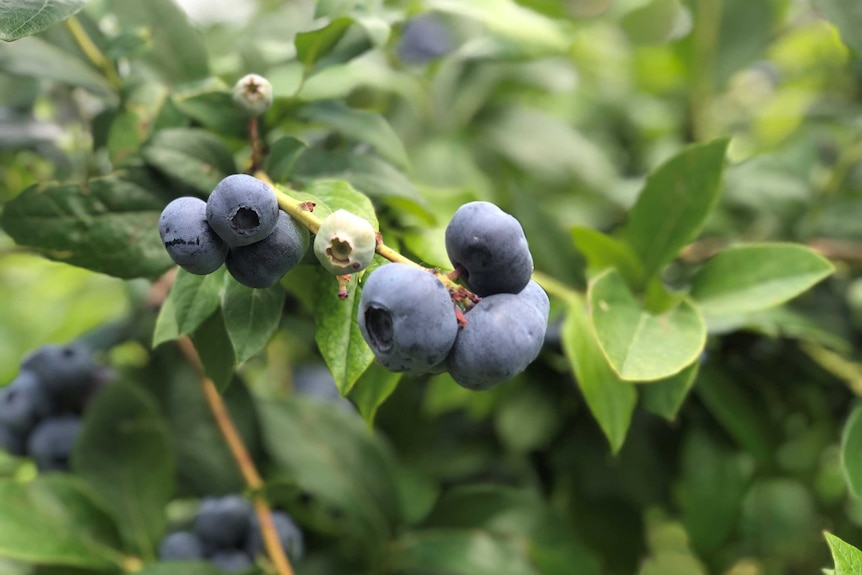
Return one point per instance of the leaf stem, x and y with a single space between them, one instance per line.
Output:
243 460
92 52
555 287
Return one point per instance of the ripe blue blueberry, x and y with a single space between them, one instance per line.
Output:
490 248
262 264
242 210
503 335
231 561
24 402
51 442
425 38
223 522
181 546
189 239
537 296
289 535
407 317
66 370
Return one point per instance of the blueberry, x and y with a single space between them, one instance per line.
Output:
315 380
345 243
490 248
24 402
503 335
67 372
424 38
242 210
534 294
181 546
12 442
51 442
231 561
261 265
189 239
289 535
223 522
407 317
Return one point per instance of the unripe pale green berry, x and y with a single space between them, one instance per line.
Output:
253 93
345 243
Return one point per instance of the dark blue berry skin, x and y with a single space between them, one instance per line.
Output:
66 370
24 402
407 317
189 239
537 296
425 38
490 248
242 210
503 335
12 442
223 522
315 380
262 264
181 546
289 535
231 561
51 442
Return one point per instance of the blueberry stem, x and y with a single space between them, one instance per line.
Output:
243 460
89 48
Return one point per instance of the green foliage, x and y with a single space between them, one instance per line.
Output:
25 17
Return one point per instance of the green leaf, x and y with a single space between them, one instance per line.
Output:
194 298
210 104
251 316
674 204
134 122
656 22
848 559
610 399
755 277
337 332
338 194
54 520
124 454
193 156
177 53
372 389
166 324
459 552
851 451
317 44
603 251
362 126
109 225
642 346
847 16
20 18
665 396
34 57
528 403
529 31
282 157
330 453
216 350
181 568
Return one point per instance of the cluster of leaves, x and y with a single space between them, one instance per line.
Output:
683 297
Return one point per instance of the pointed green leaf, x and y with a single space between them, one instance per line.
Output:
251 316
193 156
674 204
109 225
194 298
282 157
215 348
124 453
755 277
54 520
848 559
372 389
603 251
317 44
665 396
610 399
135 121
337 333
181 568
851 451
362 126
339 194
642 346
166 324
19 18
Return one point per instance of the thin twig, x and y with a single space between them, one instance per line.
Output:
92 52
243 460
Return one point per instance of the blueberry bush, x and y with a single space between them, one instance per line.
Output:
437 287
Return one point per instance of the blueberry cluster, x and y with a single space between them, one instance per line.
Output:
226 532
409 319
240 226
40 410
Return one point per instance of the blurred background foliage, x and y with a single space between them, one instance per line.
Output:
556 114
